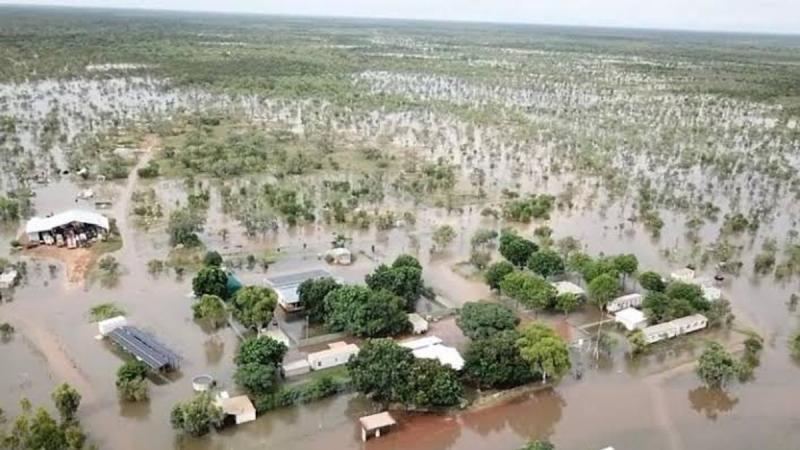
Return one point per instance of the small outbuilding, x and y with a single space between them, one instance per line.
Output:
296 368
568 287
240 408
340 256
338 353
418 324
375 424
626 301
685 275
431 347
8 279
631 319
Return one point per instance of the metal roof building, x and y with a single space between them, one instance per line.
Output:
286 286
41 224
145 348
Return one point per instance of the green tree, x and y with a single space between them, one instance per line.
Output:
603 289
515 249
529 289
479 320
254 306
496 272
212 281
794 345
403 280
433 385
539 445
720 314
260 350
496 362
381 370
716 367
652 281
212 258
364 312
197 416
258 379
637 342
132 381
210 308
184 224
567 302
406 260
626 264
67 401
544 350
689 292
443 236
311 294
546 262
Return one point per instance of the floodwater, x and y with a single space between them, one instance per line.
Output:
655 403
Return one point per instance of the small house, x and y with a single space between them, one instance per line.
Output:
631 319
372 425
338 353
418 324
626 301
240 408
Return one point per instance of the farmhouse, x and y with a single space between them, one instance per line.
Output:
677 327
626 301
73 228
338 353
286 287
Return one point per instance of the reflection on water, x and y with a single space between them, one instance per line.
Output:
711 402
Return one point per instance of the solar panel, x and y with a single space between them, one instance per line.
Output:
145 347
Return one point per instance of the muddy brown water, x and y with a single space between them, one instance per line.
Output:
646 405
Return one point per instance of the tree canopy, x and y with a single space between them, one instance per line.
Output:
496 272
364 312
529 289
544 350
403 278
716 367
603 289
546 262
496 361
197 416
67 400
311 294
260 350
433 385
210 280
381 370
652 281
480 320
211 309
517 250
132 381
254 306
37 429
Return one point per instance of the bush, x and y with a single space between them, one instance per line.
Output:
132 381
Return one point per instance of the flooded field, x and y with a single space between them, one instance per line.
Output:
439 134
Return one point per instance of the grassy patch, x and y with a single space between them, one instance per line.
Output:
104 311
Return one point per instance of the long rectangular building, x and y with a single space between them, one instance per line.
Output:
145 348
677 327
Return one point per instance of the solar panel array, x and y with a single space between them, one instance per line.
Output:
145 347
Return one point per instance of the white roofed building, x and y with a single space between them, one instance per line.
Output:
431 347
568 287
631 319
72 224
626 301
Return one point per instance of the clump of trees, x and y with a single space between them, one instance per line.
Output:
480 320
196 417
210 280
258 363
495 361
529 289
37 429
403 278
364 312
532 207
516 249
312 293
677 300
496 272
132 381
546 352
716 367
183 226
389 373
254 306
211 309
